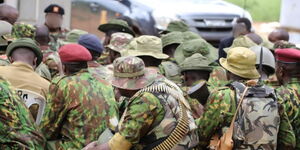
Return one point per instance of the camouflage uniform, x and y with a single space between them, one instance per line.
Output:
153 112
18 130
288 96
220 109
52 60
79 108
22 30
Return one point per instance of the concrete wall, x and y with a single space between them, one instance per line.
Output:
32 11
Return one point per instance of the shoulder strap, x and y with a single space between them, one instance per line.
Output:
230 130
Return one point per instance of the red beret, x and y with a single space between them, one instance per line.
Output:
74 53
288 55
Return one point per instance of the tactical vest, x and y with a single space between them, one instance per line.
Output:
257 122
172 71
168 95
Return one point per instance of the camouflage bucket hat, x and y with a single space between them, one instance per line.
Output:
130 73
241 61
5 30
196 62
116 24
23 30
171 38
25 42
119 41
241 41
145 45
72 36
188 48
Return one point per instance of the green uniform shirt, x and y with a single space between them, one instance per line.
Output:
79 108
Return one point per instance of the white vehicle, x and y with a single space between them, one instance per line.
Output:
212 19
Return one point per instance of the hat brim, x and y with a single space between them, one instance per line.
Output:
146 53
202 68
106 27
113 48
248 73
135 83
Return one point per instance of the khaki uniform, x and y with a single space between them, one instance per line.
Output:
22 76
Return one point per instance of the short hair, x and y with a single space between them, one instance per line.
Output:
247 22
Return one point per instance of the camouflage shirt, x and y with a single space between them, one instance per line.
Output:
151 117
52 60
219 111
79 108
288 96
218 77
17 127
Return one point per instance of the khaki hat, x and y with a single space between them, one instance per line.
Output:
72 36
145 45
119 41
116 24
188 48
5 30
196 62
130 73
172 38
241 61
25 42
241 41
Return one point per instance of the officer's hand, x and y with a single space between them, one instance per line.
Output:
95 146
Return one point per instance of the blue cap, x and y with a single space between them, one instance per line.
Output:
91 42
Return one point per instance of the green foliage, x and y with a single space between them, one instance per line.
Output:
261 10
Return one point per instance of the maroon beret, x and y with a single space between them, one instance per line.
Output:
288 55
74 53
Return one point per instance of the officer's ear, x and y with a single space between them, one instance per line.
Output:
34 63
11 60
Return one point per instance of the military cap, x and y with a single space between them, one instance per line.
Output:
188 48
54 8
130 73
196 62
72 36
91 42
241 62
116 24
28 43
176 26
119 41
172 38
241 41
287 55
23 30
268 59
5 30
189 35
146 45
74 53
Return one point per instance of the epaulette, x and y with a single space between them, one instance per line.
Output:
58 79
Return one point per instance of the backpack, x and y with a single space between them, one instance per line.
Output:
257 121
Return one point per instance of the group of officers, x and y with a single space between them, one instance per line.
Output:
146 92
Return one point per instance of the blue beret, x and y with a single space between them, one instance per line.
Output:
91 42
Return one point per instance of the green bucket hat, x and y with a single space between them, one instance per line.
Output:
189 35
241 61
145 45
72 36
130 73
176 26
119 41
5 30
196 62
23 30
25 42
172 38
188 48
116 24
241 41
